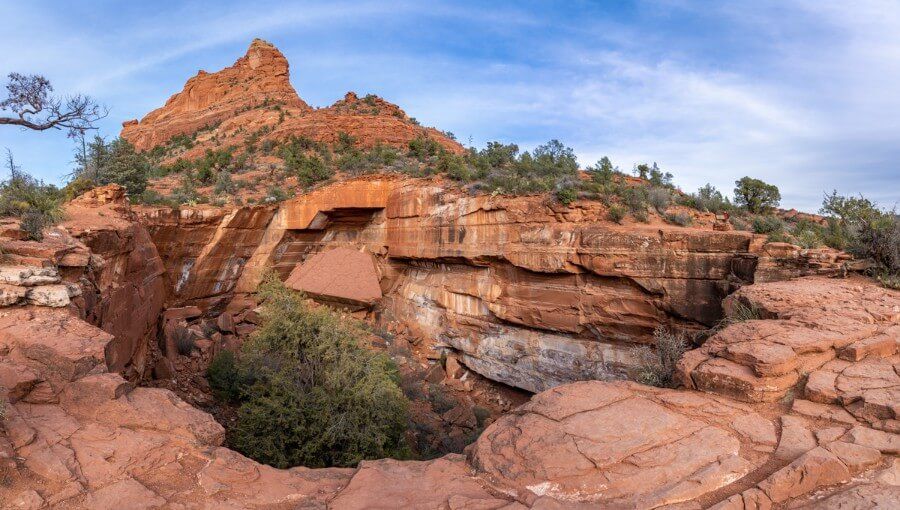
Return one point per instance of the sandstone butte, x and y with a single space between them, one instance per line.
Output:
256 92
797 408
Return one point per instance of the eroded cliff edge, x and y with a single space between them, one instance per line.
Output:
531 293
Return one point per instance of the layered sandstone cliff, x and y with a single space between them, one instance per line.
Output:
101 264
529 292
254 95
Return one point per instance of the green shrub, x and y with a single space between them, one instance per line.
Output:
681 219
739 223
755 195
781 236
307 169
114 162
641 216
860 227
423 148
315 396
807 238
223 376
545 170
603 172
77 186
635 198
153 197
659 178
454 166
186 192
707 199
659 198
224 184
767 224
656 367
566 195
276 194
35 203
345 143
616 213
212 162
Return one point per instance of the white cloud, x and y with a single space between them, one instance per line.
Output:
800 93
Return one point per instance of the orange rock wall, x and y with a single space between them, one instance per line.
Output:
531 293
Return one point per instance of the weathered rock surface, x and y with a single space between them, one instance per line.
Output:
529 292
85 438
807 326
99 262
621 445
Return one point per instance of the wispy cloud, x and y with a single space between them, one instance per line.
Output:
801 92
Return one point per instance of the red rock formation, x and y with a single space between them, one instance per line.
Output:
84 438
803 326
255 96
340 275
259 77
130 287
100 263
531 293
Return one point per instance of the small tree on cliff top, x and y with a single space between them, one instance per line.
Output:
756 195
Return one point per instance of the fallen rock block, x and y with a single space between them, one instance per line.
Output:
225 323
342 274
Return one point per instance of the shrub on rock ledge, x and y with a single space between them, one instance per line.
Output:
657 366
310 393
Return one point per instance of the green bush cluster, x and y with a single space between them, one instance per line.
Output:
755 195
857 225
99 162
36 204
707 199
767 224
309 392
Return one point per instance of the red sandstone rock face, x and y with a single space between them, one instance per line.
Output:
86 439
256 93
805 325
259 76
131 289
531 293
101 264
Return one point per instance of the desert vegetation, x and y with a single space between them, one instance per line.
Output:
656 366
37 205
309 393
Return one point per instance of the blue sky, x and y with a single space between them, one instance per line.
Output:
800 93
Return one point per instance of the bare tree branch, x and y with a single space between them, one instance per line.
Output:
32 106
